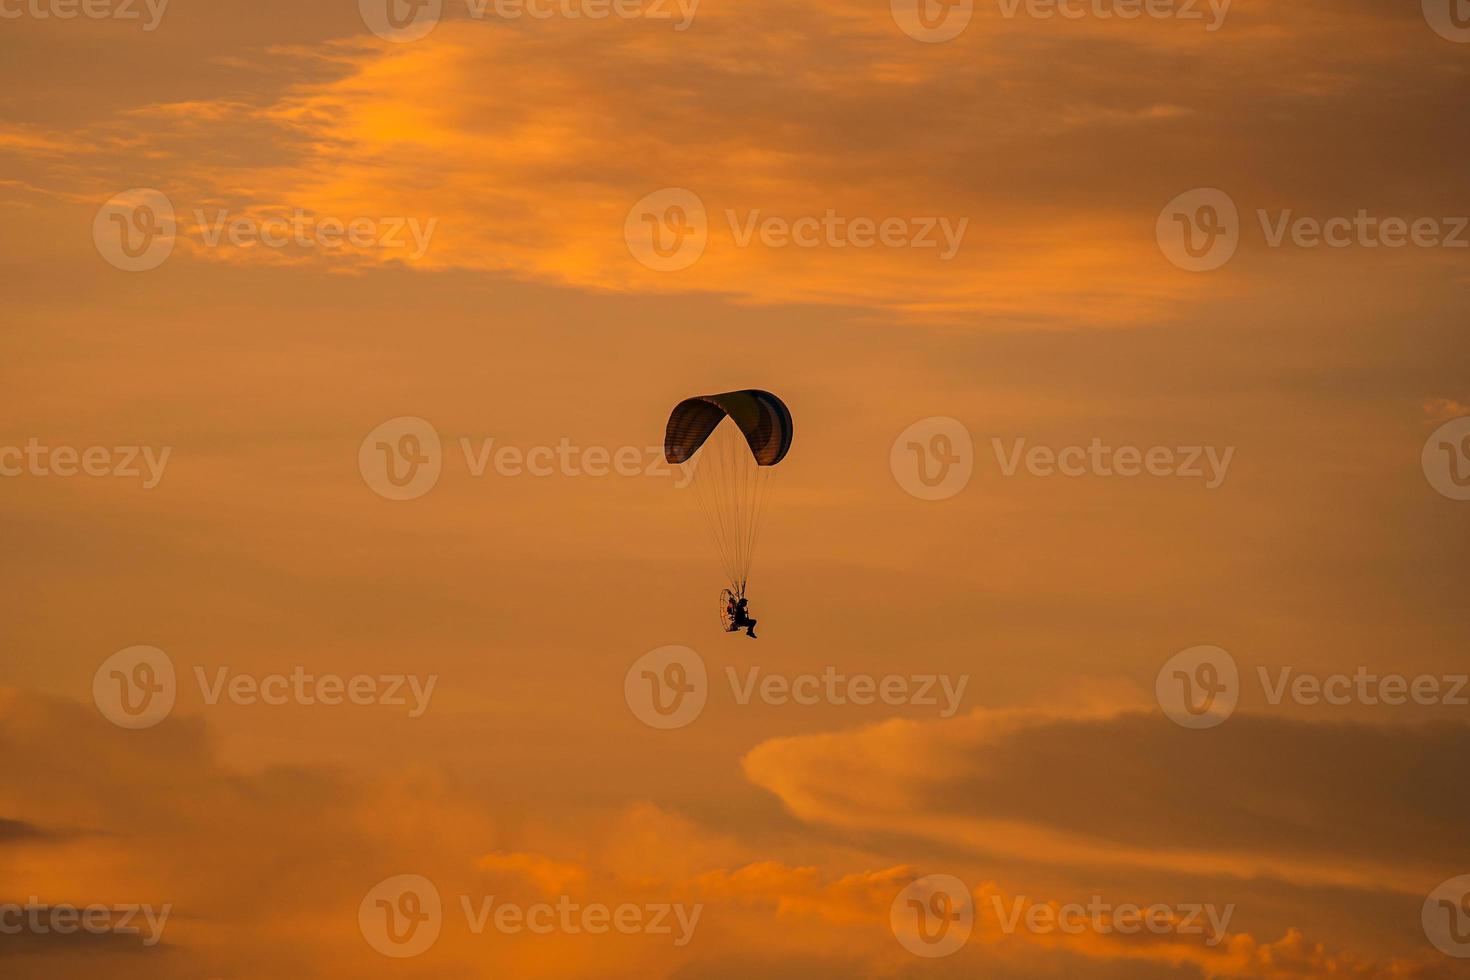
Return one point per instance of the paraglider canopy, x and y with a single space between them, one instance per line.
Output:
760 416
729 444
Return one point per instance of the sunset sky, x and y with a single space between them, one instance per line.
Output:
992 227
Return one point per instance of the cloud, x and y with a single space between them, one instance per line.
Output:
1141 792
547 876
525 143
18 830
857 898
289 853
118 936
1444 409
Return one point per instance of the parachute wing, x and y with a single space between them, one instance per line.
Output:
727 446
761 417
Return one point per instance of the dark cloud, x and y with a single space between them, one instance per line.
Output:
1335 796
18 831
79 941
1256 783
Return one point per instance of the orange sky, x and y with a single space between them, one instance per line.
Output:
499 171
